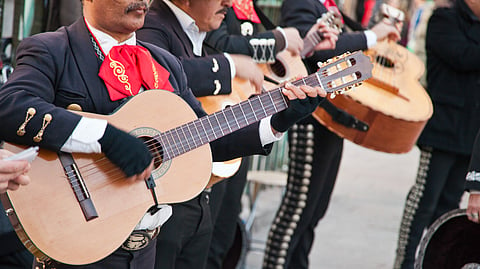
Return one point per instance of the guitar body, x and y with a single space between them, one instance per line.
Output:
285 68
393 103
47 216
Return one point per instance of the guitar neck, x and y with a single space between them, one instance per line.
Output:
214 126
309 42
345 71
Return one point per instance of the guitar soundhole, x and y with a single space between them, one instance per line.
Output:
155 148
278 68
384 61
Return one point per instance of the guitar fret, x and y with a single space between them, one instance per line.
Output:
319 81
271 99
192 136
211 127
186 138
166 153
243 113
204 132
172 142
180 140
253 110
233 116
256 105
226 120
219 123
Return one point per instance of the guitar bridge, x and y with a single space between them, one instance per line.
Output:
78 186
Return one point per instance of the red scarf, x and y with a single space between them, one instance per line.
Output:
126 68
245 11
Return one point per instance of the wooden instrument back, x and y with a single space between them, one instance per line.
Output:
393 103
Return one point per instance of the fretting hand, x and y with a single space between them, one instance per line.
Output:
303 101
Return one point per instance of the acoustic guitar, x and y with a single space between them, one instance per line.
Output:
393 103
79 208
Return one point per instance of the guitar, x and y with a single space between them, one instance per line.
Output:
286 66
79 208
392 103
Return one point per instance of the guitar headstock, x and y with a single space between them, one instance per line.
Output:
391 13
332 19
342 73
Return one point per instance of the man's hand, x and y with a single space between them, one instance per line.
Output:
329 36
12 173
473 208
303 101
247 69
386 30
294 41
127 152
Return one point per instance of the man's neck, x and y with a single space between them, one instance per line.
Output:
107 41
189 27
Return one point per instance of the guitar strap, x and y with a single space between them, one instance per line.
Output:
340 116
266 22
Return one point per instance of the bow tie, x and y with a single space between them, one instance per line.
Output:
127 68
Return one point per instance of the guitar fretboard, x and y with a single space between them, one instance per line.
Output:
211 127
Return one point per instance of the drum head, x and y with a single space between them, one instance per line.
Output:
452 242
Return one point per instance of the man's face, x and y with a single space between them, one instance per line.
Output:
208 14
116 17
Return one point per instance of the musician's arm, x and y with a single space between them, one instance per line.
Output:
229 40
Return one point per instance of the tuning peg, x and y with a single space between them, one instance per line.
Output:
358 84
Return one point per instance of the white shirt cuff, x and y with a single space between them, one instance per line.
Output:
266 134
150 222
85 137
280 29
371 38
233 70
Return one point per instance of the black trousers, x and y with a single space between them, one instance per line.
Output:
13 254
184 239
120 259
438 188
314 159
226 206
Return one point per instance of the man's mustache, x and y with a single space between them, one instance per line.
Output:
223 10
136 6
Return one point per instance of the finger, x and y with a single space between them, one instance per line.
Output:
12 185
298 92
13 166
320 91
22 180
310 91
258 84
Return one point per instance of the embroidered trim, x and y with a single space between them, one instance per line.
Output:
473 176
119 72
155 75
